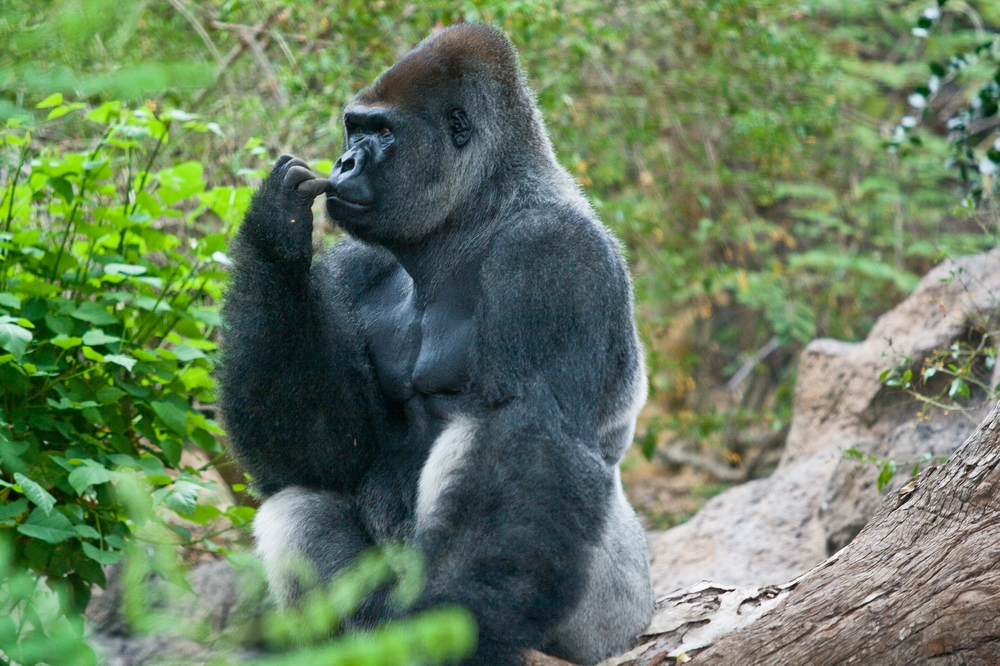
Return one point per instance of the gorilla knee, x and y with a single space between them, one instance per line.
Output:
304 537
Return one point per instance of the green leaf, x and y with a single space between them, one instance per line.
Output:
13 509
55 99
175 417
63 188
106 113
88 352
118 359
958 387
89 474
184 498
104 557
65 342
207 316
53 528
14 338
62 325
185 353
87 532
108 394
95 313
99 337
241 515
38 495
9 300
124 269
886 474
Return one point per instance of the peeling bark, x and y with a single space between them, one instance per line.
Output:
919 585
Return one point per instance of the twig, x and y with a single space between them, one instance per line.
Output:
248 39
676 454
205 37
237 50
748 365
265 65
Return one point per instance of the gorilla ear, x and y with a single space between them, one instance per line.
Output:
461 130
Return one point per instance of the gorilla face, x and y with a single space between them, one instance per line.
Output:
393 181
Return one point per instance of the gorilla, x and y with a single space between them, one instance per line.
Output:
460 372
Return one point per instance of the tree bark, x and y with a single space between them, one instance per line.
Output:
919 585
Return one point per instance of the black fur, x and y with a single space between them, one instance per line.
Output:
475 286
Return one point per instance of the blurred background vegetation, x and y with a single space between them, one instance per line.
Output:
776 170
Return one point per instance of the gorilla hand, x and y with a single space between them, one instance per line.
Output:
280 219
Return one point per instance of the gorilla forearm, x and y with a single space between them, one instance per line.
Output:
296 391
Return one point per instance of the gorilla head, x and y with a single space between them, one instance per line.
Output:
428 140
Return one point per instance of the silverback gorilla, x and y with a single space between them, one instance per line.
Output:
460 372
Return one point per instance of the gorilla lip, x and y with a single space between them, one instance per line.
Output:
349 205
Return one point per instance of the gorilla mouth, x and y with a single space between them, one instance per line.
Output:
353 206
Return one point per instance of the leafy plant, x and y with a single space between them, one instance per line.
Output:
107 318
973 136
887 468
110 269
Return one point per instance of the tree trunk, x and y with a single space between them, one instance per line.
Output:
919 585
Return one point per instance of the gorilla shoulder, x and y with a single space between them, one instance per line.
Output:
564 249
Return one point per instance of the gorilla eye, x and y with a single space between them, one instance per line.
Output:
385 131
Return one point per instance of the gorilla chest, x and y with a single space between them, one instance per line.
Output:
418 346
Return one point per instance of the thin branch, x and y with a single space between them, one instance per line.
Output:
748 365
237 50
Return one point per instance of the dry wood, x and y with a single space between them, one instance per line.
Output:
919 585
244 34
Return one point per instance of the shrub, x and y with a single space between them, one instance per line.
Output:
106 324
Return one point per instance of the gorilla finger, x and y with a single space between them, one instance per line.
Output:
296 175
313 188
282 160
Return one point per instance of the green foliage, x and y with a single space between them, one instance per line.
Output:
973 134
737 148
887 467
106 324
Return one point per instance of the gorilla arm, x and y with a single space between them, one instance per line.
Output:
298 395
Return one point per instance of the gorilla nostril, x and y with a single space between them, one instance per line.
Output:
347 165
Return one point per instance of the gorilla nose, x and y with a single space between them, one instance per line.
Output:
349 179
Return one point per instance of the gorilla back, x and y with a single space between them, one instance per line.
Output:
461 371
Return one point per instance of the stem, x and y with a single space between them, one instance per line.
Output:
152 312
149 165
142 185
10 211
17 174
177 317
76 206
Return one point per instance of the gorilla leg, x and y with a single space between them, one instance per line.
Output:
618 599
299 528
510 509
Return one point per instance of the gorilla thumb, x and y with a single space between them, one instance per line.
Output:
314 187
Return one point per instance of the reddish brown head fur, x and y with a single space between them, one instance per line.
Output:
443 61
